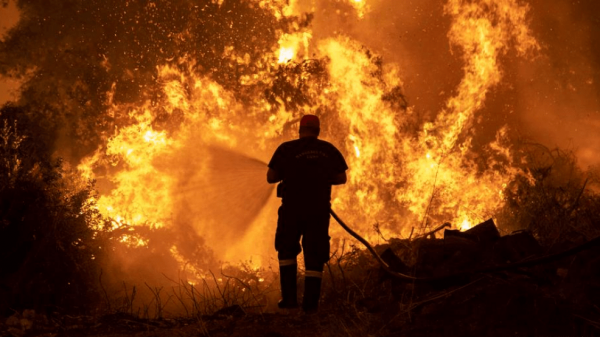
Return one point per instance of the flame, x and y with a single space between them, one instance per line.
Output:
483 30
465 224
360 6
132 147
286 54
290 44
399 177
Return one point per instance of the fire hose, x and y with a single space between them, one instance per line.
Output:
515 265
383 264
528 263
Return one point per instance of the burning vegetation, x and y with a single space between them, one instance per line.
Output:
132 162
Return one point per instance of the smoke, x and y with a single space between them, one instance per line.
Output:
558 96
553 99
411 34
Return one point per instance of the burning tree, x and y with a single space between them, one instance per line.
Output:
169 109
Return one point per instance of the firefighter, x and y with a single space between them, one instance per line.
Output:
305 169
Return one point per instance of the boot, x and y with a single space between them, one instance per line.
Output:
312 293
289 297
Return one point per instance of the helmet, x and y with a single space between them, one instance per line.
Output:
310 121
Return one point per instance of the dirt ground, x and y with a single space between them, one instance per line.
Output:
498 286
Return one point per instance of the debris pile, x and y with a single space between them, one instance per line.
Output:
478 282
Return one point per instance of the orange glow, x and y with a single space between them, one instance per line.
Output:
360 6
286 54
293 44
396 177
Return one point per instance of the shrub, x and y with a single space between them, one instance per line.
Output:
557 201
48 253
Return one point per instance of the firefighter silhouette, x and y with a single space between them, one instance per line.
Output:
305 169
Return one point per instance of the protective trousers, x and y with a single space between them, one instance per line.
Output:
309 226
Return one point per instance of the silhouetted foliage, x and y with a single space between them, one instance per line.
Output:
48 254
